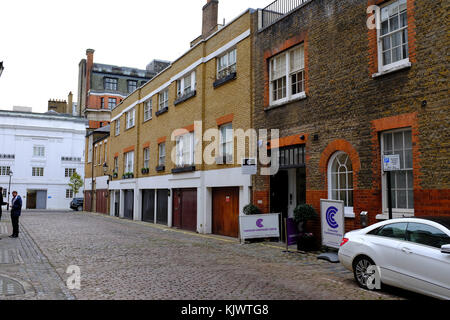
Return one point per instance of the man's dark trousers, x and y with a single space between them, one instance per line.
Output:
15 224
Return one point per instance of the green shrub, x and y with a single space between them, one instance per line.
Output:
251 209
304 212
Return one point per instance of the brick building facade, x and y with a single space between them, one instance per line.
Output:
157 134
345 95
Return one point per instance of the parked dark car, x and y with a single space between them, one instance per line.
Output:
77 204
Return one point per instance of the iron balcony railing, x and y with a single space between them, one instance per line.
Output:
278 9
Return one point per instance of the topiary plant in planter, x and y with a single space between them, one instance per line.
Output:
251 209
302 214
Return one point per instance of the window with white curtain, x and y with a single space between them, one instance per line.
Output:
186 85
146 157
226 64
185 150
148 109
162 154
226 140
163 97
287 75
129 162
130 118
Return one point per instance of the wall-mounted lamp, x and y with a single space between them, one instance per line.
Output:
424 103
1 68
302 138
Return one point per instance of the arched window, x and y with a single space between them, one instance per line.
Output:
340 180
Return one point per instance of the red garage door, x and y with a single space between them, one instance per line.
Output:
185 209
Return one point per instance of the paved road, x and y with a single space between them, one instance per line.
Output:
121 259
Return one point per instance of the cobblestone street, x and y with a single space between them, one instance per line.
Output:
121 259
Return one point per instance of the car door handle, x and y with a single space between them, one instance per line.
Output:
406 250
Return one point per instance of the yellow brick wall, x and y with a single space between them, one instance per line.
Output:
208 104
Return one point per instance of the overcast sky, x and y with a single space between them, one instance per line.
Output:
42 42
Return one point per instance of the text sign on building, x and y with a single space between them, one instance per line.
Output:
249 166
391 162
260 226
332 222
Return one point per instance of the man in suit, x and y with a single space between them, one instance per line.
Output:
16 210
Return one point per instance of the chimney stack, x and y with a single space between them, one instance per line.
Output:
210 16
89 65
69 103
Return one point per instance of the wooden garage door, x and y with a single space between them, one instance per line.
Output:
102 201
185 209
226 212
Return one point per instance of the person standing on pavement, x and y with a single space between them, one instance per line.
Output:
1 202
16 210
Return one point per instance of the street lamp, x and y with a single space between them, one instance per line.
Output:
9 187
1 68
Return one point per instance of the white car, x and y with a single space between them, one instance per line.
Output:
411 253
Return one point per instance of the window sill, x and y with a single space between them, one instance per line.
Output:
183 169
385 216
274 105
160 112
185 97
403 65
224 80
160 168
147 120
350 215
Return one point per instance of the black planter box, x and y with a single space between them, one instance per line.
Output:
183 169
306 243
160 168
160 112
185 97
224 80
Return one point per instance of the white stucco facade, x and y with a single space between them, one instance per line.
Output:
49 143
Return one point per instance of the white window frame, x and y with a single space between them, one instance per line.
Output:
348 211
162 154
38 151
37 172
163 99
393 65
112 103
117 127
129 162
226 141
116 164
4 170
148 109
185 150
68 172
69 193
287 76
225 64
397 213
130 117
146 157
182 88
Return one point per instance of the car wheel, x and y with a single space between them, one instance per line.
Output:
80 208
360 266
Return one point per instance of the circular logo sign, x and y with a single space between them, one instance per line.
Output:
259 223
331 212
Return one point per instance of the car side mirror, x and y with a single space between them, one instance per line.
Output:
445 249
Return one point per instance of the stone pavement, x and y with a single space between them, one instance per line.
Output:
121 259
25 272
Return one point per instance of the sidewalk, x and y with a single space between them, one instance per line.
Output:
25 273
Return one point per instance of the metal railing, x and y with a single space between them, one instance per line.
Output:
278 9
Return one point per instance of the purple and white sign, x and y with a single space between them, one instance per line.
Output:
292 232
333 222
260 226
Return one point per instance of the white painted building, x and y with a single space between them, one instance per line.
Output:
41 150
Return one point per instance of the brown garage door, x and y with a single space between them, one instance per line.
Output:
226 212
102 201
185 209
